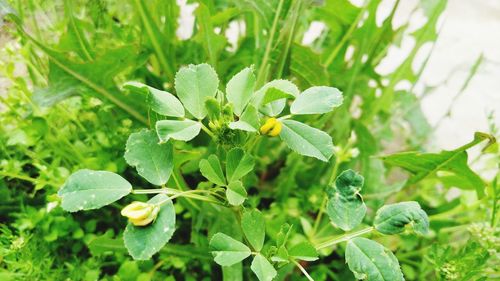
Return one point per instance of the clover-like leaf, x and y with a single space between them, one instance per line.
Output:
240 89
307 140
161 102
317 100
143 242
236 193
392 219
88 189
266 98
184 130
228 251
249 120
345 206
263 268
254 228
238 164
369 260
194 84
303 251
154 161
211 169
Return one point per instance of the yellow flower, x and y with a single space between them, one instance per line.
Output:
140 213
272 127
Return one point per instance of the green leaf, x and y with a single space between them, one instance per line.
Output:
274 107
161 102
228 251
236 193
263 268
154 161
143 242
254 228
307 140
212 43
212 170
274 94
317 100
194 84
87 189
369 260
451 165
345 206
303 251
184 130
392 219
249 120
238 164
240 89
103 244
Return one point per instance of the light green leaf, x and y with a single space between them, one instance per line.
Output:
452 165
249 120
162 102
369 260
274 94
236 193
345 206
194 84
153 161
87 189
254 228
240 89
307 140
303 251
143 242
212 170
228 251
238 164
263 268
184 130
317 100
275 107
392 219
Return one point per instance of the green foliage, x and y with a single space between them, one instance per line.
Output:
237 197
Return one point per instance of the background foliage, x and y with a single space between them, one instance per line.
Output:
67 110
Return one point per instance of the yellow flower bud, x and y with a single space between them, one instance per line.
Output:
140 213
276 130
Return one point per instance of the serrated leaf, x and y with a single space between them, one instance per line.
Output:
249 120
317 100
236 193
453 163
392 219
274 107
228 251
152 160
307 140
184 130
263 268
240 89
161 102
274 94
143 242
238 164
303 251
254 228
88 189
194 84
212 170
345 206
369 260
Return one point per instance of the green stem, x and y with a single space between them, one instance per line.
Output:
303 270
325 199
207 130
344 238
263 65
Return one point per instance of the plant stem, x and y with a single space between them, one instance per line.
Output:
344 238
207 130
303 270
263 65
325 199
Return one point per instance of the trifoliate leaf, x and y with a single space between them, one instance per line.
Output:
238 164
236 193
184 130
211 169
228 251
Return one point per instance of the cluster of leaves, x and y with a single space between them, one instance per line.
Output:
238 190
